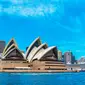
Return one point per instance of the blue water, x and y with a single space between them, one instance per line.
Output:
42 78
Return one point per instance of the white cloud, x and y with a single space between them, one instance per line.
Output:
18 1
34 11
18 7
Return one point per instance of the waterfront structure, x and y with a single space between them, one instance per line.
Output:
12 57
59 55
81 61
38 56
77 67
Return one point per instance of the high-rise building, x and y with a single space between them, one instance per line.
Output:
69 58
2 46
73 59
63 58
59 55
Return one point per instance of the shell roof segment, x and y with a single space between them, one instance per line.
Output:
35 43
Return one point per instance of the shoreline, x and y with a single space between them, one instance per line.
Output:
35 71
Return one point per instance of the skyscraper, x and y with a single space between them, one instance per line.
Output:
59 55
68 57
2 46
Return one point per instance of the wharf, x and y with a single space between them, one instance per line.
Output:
37 71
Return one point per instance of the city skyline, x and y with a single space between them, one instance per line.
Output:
49 19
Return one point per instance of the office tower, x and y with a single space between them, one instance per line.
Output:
2 46
59 55
68 57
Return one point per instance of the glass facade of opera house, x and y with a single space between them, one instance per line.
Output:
38 56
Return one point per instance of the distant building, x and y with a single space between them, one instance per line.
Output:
73 59
59 55
69 58
1 55
81 61
63 58
2 46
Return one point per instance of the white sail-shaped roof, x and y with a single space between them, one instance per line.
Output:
12 41
9 52
42 52
11 47
35 50
34 44
12 51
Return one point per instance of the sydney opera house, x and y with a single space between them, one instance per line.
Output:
38 57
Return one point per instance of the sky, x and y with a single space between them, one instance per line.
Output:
59 23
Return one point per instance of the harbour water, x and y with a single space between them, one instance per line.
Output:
42 78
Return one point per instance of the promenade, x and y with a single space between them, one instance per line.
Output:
37 71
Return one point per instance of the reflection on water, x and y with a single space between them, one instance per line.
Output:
42 78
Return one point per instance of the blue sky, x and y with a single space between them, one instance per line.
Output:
57 22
